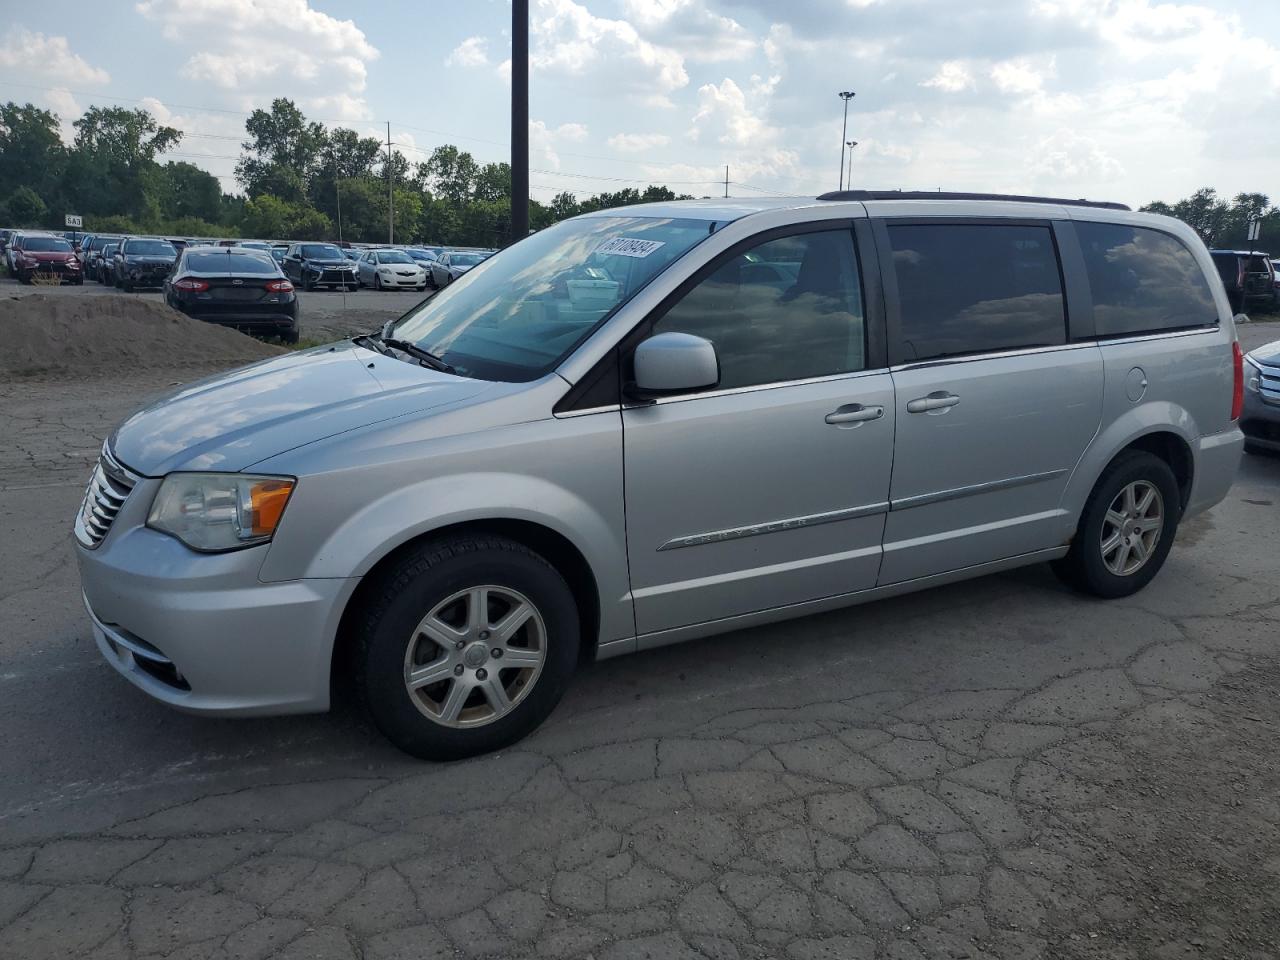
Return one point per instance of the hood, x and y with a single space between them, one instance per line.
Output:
1268 355
328 261
49 256
149 258
233 420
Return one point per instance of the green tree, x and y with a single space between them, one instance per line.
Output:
283 152
189 191
450 173
25 208
31 150
271 217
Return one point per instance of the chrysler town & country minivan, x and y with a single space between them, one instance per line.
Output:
645 425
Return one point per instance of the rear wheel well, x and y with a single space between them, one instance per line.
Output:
555 548
1174 451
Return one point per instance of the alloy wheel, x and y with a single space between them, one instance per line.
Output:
1132 527
475 656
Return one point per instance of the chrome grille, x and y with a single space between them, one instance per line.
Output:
108 488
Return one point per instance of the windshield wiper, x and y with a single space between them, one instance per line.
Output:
373 343
415 351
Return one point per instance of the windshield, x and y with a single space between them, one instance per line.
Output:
394 256
321 251
149 248
465 259
421 254
46 244
519 313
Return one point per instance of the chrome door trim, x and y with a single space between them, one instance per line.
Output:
997 355
955 493
773 526
756 387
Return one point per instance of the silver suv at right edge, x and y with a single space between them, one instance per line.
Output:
646 425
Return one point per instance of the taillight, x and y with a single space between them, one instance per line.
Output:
196 286
1237 386
279 286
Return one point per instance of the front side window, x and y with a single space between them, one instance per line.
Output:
518 314
786 309
976 288
1144 281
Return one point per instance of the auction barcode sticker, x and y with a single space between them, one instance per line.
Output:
629 247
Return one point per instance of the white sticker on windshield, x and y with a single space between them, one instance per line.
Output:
630 247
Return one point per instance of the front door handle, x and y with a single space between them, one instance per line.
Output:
854 413
938 400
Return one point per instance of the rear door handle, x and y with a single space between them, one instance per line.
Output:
854 413
938 400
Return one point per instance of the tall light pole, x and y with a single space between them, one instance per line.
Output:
519 120
851 144
846 96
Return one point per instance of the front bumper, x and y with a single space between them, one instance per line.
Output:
201 632
396 280
1260 420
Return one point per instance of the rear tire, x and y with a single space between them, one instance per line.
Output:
463 589
377 282
290 337
1121 544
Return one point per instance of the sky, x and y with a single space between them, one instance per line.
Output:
1130 100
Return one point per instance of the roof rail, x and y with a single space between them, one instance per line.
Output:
929 195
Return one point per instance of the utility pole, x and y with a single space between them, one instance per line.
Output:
519 120
846 96
726 181
391 194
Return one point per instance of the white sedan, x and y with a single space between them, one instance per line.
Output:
390 270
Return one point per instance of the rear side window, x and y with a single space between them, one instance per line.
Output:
1145 281
976 288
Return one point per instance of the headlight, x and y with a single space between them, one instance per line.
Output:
1251 376
220 511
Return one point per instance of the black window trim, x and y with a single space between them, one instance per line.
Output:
587 393
1089 327
900 358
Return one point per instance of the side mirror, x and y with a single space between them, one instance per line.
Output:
674 363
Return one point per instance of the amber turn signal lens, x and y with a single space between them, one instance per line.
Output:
266 503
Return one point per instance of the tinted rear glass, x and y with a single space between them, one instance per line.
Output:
1145 281
231 263
976 288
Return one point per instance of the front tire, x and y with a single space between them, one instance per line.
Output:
465 646
1127 528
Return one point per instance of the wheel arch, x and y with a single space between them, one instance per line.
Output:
555 547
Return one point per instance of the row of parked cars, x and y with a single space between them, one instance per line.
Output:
247 284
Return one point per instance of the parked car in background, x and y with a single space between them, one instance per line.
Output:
311 265
91 254
1275 272
1261 420
11 251
47 255
546 462
102 270
1248 277
178 243
254 245
454 263
5 235
391 270
142 262
423 257
241 287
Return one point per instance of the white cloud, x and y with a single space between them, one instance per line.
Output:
36 57
688 26
1017 77
1068 156
248 44
471 52
952 77
638 142
571 41
543 140
723 112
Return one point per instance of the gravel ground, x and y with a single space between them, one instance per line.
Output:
994 769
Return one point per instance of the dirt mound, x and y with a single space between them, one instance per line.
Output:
89 336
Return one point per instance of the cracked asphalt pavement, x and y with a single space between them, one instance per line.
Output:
998 768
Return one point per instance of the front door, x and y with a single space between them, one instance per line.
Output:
995 407
771 488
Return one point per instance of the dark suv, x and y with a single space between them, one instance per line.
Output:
1248 276
143 262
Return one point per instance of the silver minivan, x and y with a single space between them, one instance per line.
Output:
650 424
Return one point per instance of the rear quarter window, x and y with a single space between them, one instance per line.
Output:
968 288
1144 281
